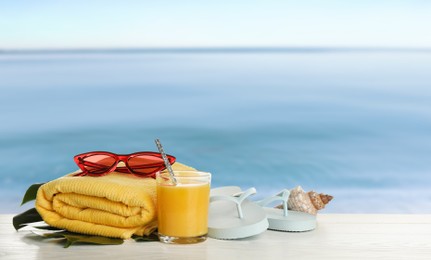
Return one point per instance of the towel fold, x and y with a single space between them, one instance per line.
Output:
115 205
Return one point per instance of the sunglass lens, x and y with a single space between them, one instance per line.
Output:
145 164
97 163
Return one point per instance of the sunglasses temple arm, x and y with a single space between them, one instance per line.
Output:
122 169
93 164
145 166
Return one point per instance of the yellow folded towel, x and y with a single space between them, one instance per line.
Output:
114 205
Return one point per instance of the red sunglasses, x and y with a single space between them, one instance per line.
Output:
142 164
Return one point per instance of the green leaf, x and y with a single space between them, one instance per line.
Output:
150 238
72 238
23 219
31 193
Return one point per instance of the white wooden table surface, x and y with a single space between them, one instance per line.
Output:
338 236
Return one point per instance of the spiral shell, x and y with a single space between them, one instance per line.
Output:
309 202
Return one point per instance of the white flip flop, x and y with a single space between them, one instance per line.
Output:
232 216
284 219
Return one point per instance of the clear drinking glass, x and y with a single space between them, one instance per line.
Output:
182 208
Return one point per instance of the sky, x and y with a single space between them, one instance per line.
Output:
62 24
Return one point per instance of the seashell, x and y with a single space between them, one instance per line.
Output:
309 202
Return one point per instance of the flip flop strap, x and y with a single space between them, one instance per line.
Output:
238 198
282 196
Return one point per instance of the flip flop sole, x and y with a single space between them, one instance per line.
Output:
224 223
295 221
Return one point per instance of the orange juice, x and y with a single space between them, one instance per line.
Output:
183 208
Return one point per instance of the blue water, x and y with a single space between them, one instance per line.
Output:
354 124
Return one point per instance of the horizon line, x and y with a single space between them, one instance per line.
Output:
263 49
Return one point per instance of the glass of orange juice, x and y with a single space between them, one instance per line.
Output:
182 207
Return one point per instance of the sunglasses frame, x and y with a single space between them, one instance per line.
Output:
79 160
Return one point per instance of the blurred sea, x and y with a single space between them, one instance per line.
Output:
354 124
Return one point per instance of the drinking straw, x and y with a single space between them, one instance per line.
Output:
165 159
